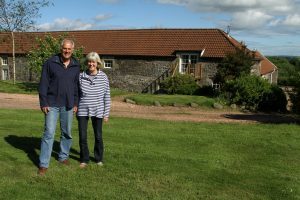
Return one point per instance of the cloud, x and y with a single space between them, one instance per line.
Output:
233 5
102 17
292 20
250 19
246 15
63 24
108 1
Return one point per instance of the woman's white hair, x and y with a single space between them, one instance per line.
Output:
93 56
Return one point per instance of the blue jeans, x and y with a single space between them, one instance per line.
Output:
66 118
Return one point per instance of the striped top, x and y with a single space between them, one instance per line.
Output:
94 98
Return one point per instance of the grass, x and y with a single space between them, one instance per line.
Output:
147 159
32 88
142 99
170 100
19 87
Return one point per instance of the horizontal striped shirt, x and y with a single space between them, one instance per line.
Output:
94 97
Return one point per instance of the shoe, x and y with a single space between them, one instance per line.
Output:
65 162
42 171
82 165
100 163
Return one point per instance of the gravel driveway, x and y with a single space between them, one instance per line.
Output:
168 113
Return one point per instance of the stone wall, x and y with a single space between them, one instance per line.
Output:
209 70
135 74
128 73
22 72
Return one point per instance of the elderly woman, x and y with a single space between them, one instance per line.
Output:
94 103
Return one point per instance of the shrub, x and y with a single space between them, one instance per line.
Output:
295 96
246 91
207 90
179 84
275 100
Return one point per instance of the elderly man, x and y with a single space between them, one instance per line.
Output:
58 95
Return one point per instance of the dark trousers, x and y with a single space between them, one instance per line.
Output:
83 144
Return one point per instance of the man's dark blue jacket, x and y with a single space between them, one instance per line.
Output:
59 85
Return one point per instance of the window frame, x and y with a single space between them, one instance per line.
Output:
4 60
111 62
190 60
5 74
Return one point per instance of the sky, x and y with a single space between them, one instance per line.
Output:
269 26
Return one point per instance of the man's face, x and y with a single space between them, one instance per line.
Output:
67 50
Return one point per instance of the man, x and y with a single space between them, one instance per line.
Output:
58 94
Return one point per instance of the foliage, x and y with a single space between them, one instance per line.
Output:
275 100
234 65
287 69
207 90
154 159
247 91
295 96
179 84
19 15
45 48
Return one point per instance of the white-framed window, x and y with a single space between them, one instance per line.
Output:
187 63
4 60
108 63
5 75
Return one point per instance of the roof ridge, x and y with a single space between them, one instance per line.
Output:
137 29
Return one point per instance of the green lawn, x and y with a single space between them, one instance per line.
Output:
147 159
19 87
32 88
171 100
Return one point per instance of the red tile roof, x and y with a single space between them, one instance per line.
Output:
136 42
266 65
139 42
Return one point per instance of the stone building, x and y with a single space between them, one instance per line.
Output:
138 59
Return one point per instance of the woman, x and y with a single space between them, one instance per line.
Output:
94 103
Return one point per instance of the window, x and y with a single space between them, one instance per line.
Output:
5 74
4 61
108 63
188 62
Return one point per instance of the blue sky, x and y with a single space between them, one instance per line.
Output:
270 26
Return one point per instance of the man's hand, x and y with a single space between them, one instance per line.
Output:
45 110
75 109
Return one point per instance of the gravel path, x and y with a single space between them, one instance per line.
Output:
122 109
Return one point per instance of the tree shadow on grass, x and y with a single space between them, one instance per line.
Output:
30 145
266 118
28 86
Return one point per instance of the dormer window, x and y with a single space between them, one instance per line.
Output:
187 63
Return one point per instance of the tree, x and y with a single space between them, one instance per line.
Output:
19 15
46 47
288 70
235 64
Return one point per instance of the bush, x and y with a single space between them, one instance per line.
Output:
295 97
247 91
207 91
275 100
179 84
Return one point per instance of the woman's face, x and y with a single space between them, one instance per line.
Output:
92 66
